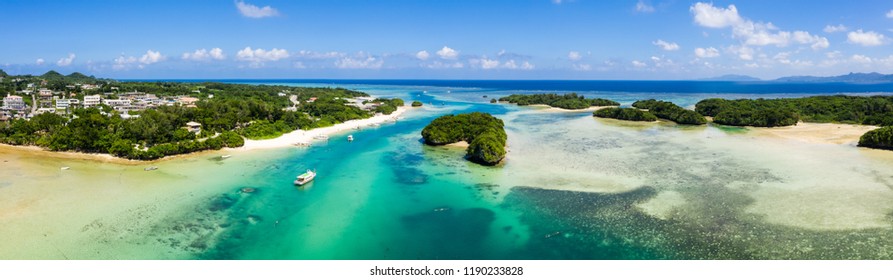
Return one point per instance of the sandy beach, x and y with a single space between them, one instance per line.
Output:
303 137
827 133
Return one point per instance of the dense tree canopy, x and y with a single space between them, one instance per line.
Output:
484 133
869 110
670 111
567 101
627 114
416 104
253 111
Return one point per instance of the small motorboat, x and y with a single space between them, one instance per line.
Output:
65 168
350 138
150 168
225 156
305 178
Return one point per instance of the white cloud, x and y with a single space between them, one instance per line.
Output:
441 65
832 54
253 11
123 62
151 57
706 53
639 64
489 63
582 67
709 16
39 61
749 32
643 7
316 55
361 62
833 28
65 61
448 53
204 55
666 45
744 52
890 14
422 55
868 39
574 56
299 65
858 58
261 55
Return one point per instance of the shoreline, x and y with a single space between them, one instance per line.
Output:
285 140
547 108
305 137
822 133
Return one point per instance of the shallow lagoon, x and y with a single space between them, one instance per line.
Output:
572 187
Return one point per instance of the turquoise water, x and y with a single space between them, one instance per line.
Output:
572 187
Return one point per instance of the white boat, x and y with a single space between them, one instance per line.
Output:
65 168
305 178
225 156
150 168
350 138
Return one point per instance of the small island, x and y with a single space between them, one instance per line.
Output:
867 110
484 134
416 104
881 138
626 114
570 101
670 111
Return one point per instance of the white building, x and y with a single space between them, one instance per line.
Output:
62 104
116 102
14 102
92 100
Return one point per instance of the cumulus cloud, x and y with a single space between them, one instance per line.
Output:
750 32
65 61
442 65
666 45
123 62
706 53
743 52
487 64
582 67
40 61
204 55
318 55
868 39
639 64
643 7
361 62
151 57
422 55
448 53
260 55
834 28
252 11
890 14
574 56
858 58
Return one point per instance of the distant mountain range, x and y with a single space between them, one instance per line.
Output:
872 77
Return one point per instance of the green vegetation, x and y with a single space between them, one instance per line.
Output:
567 101
416 104
236 110
670 111
492 100
881 138
484 133
873 110
387 105
627 114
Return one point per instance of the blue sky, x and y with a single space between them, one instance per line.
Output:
403 39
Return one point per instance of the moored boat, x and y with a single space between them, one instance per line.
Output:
350 138
150 168
305 178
